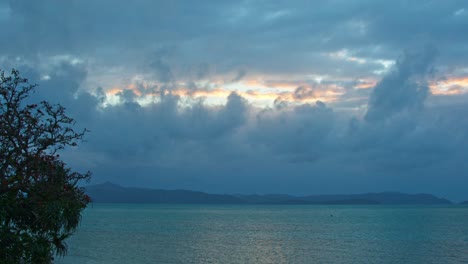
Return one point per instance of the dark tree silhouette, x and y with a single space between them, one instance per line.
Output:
40 200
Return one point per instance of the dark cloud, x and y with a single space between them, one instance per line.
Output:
240 74
159 65
261 36
303 92
395 136
297 133
404 88
295 149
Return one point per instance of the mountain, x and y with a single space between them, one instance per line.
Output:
113 193
382 198
266 198
465 202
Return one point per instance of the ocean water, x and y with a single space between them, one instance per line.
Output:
129 233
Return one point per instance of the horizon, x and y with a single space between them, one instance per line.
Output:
268 97
293 195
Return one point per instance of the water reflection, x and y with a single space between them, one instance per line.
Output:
270 234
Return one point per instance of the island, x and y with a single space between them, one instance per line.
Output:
112 193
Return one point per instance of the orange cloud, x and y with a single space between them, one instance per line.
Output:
117 90
365 84
201 93
461 81
450 86
255 90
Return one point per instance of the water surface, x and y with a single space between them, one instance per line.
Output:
116 233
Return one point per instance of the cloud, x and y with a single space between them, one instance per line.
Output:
159 65
114 32
297 134
405 88
141 76
303 92
296 148
240 74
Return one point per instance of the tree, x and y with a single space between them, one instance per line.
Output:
40 200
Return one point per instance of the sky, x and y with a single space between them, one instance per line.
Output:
297 97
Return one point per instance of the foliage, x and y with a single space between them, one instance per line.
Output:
40 200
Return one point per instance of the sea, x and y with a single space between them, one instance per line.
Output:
155 233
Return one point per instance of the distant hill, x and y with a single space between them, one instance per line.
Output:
465 202
383 198
113 193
